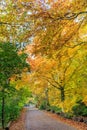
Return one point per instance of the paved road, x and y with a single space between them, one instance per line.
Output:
39 120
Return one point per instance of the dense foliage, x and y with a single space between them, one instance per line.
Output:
59 53
11 99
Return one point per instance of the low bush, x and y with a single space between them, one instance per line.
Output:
55 109
68 115
80 109
42 105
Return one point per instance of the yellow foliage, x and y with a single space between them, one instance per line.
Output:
68 104
85 100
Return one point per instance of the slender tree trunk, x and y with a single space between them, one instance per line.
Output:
62 97
62 94
3 107
47 98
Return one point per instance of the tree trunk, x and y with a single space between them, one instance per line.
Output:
47 98
62 94
3 105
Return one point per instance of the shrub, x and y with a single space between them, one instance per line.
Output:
68 115
42 105
55 109
80 109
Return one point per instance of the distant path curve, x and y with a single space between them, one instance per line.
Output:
39 120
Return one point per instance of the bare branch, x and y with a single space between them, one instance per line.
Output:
80 43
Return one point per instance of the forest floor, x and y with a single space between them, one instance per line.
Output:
76 124
30 119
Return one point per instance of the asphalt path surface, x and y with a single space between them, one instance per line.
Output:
40 120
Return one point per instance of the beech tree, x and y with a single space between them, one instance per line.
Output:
60 73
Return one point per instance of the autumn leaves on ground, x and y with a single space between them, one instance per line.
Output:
43 58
